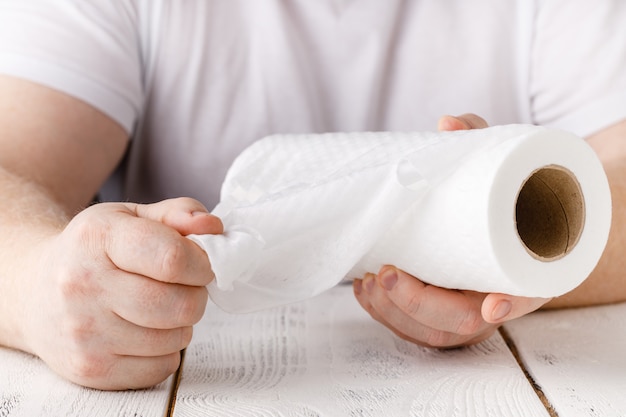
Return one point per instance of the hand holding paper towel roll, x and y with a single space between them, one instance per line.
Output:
517 209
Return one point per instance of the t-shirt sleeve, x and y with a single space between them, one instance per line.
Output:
86 49
578 67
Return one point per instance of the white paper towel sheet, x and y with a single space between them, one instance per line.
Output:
518 209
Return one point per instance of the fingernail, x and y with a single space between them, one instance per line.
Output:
368 283
358 286
199 213
501 310
389 279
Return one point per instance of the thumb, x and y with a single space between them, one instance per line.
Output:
185 215
498 308
465 121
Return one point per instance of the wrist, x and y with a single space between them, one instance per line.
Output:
23 263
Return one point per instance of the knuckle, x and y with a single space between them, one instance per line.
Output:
88 231
86 368
413 305
185 204
79 332
75 282
173 261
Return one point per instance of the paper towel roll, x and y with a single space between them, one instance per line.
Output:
517 209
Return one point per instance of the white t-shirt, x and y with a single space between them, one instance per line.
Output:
194 82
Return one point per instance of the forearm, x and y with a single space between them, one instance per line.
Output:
607 283
28 217
55 152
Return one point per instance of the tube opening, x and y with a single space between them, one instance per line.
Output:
550 213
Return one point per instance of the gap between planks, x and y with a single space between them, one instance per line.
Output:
171 402
511 345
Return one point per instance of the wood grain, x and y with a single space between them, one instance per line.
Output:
327 357
28 388
577 358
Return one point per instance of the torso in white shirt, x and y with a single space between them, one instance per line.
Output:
197 81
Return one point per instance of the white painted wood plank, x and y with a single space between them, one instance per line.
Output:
327 357
577 357
28 388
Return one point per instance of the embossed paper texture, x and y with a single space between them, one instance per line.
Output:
516 209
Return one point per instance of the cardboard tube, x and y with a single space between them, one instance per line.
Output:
550 213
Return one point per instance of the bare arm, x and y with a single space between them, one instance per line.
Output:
607 283
107 295
56 141
55 151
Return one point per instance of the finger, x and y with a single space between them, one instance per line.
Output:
498 308
445 340
363 290
463 122
387 313
426 303
375 300
152 304
363 298
128 339
122 372
185 215
150 248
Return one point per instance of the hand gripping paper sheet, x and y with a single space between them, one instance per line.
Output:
518 209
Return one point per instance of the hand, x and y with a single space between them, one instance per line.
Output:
432 316
436 317
118 292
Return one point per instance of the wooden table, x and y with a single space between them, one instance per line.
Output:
327 357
